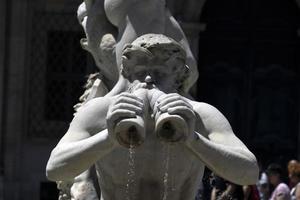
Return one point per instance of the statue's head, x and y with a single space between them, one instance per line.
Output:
157 59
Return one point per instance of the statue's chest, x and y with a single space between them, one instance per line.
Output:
152 162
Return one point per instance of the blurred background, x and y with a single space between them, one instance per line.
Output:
248 54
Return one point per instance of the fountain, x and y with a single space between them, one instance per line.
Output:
145 138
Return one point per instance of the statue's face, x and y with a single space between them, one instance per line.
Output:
157 74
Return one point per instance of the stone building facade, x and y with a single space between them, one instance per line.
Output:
249 64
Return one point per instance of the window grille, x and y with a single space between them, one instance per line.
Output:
58 67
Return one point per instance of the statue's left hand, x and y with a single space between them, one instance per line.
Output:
175 104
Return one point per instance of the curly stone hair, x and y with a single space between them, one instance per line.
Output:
156 48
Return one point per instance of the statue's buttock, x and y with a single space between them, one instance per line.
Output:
118 10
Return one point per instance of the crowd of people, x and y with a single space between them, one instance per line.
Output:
275 183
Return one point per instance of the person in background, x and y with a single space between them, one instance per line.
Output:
281 190
225 190
292 164
218 186
294 176
251 192
263 187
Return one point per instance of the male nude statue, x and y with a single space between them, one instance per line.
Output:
154 65
108 26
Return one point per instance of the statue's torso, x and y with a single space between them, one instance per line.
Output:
150 171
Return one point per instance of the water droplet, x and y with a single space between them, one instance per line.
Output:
166 174
130 193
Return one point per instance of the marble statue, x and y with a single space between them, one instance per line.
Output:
108 26
151 141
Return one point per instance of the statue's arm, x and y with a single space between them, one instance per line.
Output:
85 142
216 145
174 31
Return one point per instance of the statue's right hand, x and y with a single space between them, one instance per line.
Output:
125 106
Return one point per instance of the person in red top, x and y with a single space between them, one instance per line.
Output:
292 165
251 192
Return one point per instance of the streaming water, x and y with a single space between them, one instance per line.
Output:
166 174
130 193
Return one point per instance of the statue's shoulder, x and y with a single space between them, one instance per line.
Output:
201 105
99 102
211 118
94 108
205 110
91 117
